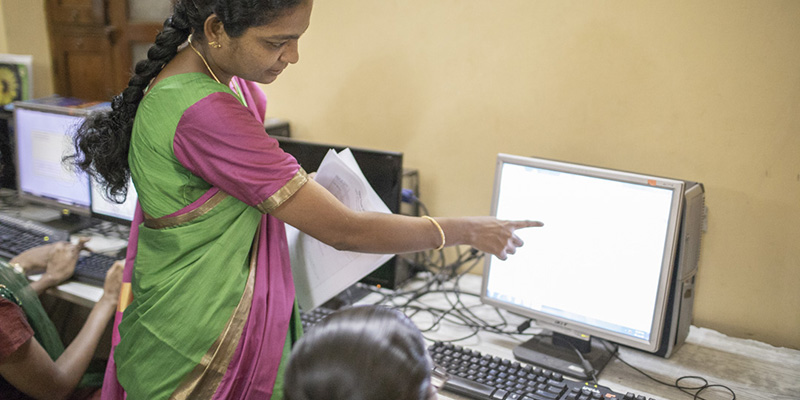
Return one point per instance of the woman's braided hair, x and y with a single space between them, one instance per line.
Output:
102 141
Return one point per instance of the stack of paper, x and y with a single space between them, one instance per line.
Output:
320 271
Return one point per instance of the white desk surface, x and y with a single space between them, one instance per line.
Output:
75 292
753 370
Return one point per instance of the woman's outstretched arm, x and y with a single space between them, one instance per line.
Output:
315 211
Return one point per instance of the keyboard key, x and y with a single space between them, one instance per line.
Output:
92 268
468 388
312 317
18 235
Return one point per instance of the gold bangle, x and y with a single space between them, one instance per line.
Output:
441 231
17 267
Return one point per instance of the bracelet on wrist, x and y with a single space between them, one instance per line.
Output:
439 228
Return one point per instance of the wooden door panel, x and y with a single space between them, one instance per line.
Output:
84 67
92 41
88 76
77 12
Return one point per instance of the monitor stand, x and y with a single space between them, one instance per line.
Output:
558 353
70 223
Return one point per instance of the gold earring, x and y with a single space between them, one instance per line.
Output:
214 45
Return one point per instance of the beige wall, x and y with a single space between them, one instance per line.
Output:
698 90
3 46
23 30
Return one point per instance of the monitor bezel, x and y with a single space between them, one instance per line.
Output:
76 209
578 329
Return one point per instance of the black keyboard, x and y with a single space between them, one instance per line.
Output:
18 235
92 268
312 317
485 377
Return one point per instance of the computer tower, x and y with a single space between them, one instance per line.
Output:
8 171
682 286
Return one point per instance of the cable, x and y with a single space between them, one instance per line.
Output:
685 389
458 313
440 271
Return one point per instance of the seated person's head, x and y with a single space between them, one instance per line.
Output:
360 353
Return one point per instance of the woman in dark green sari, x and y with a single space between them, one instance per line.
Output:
33 361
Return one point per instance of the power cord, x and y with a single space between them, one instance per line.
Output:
457 313
683 388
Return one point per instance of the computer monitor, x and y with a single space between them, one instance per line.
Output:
384 172
613 264
383 169
108 210
43 138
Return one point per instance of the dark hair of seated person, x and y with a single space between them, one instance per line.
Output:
360 353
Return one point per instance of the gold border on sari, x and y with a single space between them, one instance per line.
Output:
125 296
298 180
168 222
204 379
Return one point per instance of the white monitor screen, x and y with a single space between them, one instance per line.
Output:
42 140
601 262
107 209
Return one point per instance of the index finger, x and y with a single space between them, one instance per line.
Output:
527 224
81 243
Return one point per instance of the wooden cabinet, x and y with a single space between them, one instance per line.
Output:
83 65
81 44
91 43
78 12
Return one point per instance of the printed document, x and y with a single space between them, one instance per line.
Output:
320 271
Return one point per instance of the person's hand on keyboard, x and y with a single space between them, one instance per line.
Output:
56 262
37 259
113 283
62 261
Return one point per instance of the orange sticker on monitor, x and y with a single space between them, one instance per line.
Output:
651 182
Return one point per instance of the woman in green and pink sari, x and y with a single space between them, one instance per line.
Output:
207 308
238 286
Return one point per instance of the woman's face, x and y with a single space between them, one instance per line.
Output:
263 52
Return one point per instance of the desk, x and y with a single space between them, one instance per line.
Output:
75 292
753 370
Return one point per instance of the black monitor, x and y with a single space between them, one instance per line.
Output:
384 172
383 169
43 138
614 263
